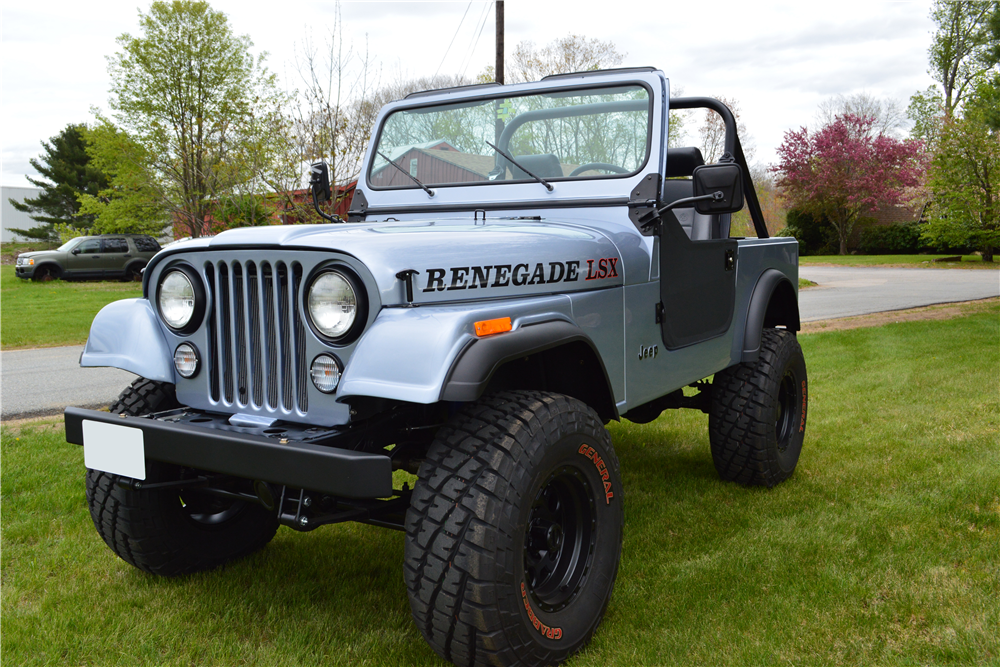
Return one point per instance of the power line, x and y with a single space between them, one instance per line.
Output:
472 51
453 37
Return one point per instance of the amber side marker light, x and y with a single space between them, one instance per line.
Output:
489 327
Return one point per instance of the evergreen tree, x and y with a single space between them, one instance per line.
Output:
69 173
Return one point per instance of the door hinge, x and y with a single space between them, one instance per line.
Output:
659 313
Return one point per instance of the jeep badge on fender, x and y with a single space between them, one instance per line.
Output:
506 284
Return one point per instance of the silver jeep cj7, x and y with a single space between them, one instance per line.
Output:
521 265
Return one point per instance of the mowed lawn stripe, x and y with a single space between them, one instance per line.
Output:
883 548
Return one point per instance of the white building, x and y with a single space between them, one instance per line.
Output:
10 217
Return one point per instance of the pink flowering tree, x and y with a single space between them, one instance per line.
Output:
845 170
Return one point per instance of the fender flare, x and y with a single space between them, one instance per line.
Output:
760 313
473 369
126 335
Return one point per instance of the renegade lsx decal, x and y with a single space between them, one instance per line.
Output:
503 275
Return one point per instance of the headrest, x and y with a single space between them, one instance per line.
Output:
682 161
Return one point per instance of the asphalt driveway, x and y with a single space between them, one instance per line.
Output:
844 291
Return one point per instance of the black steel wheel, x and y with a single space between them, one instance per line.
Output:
757 419
171 533
514 531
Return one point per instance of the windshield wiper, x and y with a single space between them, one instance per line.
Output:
541 180
408 174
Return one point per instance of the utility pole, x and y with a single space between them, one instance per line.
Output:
498 75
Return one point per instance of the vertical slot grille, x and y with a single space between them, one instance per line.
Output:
257 338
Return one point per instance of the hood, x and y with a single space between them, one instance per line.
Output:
455 259
35 254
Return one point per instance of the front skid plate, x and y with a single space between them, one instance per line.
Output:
215 446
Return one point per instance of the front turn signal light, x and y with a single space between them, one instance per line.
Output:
490 327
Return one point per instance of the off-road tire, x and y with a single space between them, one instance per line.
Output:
494 478
757 419
151 529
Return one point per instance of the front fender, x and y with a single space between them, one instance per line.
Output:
126 335
408 353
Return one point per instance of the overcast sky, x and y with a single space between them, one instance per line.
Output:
778 60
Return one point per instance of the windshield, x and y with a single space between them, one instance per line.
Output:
596 133
72 243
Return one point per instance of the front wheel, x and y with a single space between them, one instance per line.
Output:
514 531
171 533
757 418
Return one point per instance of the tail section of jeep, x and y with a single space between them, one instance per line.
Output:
521 265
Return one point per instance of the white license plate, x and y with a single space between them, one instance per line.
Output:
113 448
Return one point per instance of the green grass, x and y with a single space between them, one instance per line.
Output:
883 548
806 283
53 313
923 261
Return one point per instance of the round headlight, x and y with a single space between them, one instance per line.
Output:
186 360
325 373
333 305
177 299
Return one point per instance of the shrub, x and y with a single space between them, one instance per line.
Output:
816 236
896 239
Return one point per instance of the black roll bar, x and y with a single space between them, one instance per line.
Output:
734 148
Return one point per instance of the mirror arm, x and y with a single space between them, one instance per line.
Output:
329 218
654 215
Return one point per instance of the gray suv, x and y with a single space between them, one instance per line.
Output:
107 256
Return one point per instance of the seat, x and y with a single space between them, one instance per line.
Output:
545 165
681 162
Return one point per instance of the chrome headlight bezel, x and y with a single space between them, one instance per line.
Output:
357 325
197 286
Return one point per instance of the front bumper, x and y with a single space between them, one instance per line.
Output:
297 456
24 271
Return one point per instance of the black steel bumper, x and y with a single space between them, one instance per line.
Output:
215 446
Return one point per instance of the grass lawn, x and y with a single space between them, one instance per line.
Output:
53 313
914 261
883 548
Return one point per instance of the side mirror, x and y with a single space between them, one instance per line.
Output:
319 181
75 251
724 178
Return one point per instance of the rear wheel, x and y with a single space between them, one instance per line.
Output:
757 419
514 532
171 533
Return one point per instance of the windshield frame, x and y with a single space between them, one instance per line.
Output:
496 93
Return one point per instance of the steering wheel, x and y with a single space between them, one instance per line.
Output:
598 165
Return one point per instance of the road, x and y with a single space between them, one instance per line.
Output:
844 291
44 381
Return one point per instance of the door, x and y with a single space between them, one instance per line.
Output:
85 259
116 256
697 285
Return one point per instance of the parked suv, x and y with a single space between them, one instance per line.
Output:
106 256
522 264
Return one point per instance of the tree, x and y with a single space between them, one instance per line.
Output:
129 202
713 133
185 93
70 173
572 53
843 172
926 110
888 114
337 105
965 177
961 48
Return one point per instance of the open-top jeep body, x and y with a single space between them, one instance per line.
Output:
522 264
